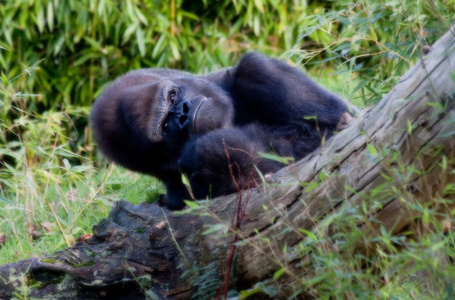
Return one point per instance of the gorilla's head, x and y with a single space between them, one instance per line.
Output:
182 106
153 113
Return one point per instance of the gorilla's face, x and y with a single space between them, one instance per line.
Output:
162 109
186 107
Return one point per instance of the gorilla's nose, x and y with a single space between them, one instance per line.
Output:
183 112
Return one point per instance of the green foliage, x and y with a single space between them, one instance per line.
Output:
46 189
207 282
374 42
413 265
78 46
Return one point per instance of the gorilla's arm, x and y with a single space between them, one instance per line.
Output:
176 192
272 92
222 161
228 160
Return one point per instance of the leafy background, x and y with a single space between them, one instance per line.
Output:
57 56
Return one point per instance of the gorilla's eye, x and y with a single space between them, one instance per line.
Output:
171 97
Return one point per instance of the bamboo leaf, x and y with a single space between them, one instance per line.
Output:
5 80
50 16
140 41
128 32
7 201
372 150
278 273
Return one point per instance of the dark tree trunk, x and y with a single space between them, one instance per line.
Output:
146 251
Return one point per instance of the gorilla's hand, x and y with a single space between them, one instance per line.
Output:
223 161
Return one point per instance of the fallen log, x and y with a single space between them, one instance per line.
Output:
146 251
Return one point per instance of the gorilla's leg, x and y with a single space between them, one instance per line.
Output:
273 92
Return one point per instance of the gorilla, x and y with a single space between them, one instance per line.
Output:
214 128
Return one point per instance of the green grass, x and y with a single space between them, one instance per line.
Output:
43 218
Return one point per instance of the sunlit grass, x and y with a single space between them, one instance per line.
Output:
40 219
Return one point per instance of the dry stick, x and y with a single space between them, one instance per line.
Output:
236 221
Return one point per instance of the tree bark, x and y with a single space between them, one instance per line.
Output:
146 251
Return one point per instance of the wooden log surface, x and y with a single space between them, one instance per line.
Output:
146 251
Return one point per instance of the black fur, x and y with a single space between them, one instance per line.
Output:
166 122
